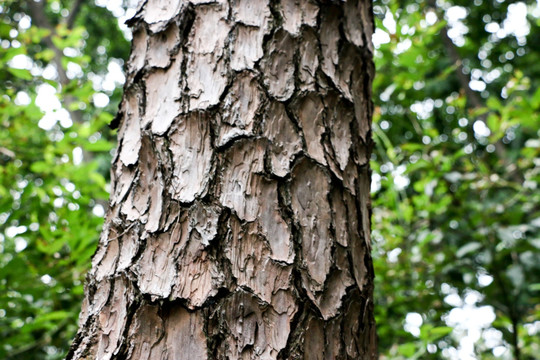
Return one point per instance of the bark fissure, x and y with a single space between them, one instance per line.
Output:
239 218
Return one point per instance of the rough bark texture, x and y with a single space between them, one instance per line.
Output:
239 217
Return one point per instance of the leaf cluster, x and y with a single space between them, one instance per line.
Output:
456 177
54 164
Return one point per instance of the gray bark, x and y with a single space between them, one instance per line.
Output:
239 218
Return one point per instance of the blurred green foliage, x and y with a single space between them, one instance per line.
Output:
456 224
53 166
456 196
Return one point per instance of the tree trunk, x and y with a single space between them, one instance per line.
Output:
239 219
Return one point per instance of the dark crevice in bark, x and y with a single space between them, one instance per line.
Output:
124 345
188 18
234 142
305 304
295 338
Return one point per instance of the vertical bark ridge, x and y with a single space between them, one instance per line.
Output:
239 216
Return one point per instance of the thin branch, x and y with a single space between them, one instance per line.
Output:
463 79
37 11
73 13
472 96
7 152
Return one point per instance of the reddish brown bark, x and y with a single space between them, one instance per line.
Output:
239 217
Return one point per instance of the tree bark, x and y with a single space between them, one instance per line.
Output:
239 218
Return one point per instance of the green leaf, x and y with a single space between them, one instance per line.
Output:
534 287
100 145
21 73
535 100
407 350
50 247
12 52
40 167
52 316
436 333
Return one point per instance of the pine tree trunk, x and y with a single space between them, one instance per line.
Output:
239 219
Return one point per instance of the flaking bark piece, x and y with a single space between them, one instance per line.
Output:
255 330
123 178
206 79
296 13
244 159
338 120
239 108
253 197
156 267
144 202
330 38
163 92
207 69
145 336
192 157
339 217
131 130
199 277
129 245
204 219
285 142
247 47
309 53
138 51
313 346
181 267
158 13
112 320
252 24
251 13
309 200
162 45
310 113
357 241
96 301
186 339
355 10
329 300
278 66
251 261
209 30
